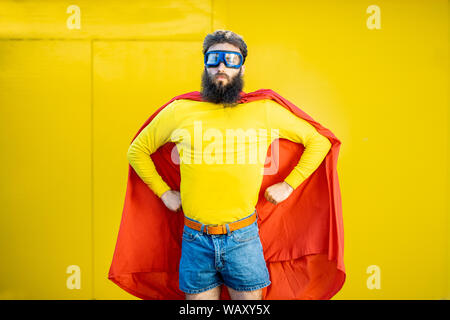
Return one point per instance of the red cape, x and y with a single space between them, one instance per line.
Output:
302 237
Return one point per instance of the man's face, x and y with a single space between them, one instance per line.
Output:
222 75
222 84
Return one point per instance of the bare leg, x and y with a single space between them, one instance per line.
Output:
212 294
245 295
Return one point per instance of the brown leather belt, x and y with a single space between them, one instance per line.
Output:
220 229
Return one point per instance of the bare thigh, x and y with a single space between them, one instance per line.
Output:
212 294
245 295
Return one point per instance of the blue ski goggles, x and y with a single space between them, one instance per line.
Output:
231 59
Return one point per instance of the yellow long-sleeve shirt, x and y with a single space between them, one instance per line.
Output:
222 152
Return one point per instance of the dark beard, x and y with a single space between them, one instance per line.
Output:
227 95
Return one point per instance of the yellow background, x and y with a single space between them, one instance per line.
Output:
71 100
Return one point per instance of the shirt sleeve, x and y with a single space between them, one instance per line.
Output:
153 136
298 130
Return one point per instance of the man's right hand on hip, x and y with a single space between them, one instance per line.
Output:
172 200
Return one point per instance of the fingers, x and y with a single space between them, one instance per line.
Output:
172 201
269 197
173 207
176 206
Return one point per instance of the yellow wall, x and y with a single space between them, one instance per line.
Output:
72 99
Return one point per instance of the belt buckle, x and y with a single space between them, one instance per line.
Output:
209 225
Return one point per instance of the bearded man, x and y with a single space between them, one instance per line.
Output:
221 138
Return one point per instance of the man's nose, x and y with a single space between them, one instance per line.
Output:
221 67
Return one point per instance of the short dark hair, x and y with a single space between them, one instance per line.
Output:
221 36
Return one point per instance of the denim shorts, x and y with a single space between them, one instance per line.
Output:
235 259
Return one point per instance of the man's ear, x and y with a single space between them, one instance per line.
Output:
243 69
